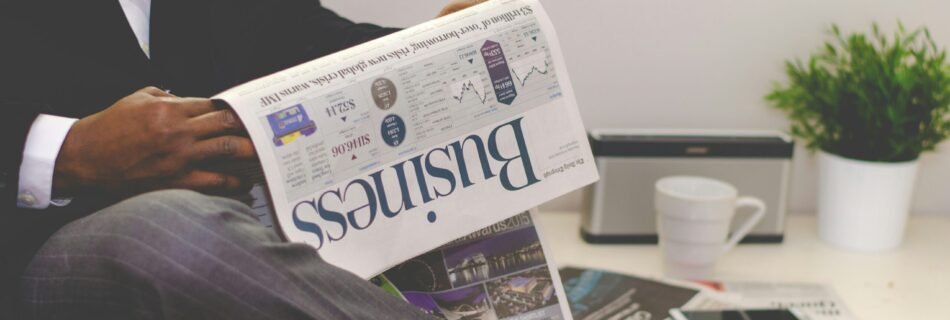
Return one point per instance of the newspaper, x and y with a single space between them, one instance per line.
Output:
596 294
385 151
499 272
601 295
816 301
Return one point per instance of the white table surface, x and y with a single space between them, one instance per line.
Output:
912 282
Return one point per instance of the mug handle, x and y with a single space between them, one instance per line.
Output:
746 226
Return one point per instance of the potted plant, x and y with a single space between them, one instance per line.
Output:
871 105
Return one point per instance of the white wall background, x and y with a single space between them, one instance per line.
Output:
700 64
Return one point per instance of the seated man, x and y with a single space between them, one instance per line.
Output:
107 216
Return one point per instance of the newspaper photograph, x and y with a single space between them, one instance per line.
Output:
499 272
379 153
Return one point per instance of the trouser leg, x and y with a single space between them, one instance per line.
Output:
179 254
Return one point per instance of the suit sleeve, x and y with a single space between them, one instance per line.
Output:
339 33
296 31
21 78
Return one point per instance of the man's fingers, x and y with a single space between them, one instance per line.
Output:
191 107
154 91
215 123
224 147
206 181
457 5
194 107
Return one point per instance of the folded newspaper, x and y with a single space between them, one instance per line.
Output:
383 152
601 295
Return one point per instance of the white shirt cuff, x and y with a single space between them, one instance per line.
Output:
43 142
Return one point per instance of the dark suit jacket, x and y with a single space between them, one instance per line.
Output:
76 57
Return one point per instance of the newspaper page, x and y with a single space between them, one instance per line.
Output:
816 301
602 295
499 272
387 150
597 294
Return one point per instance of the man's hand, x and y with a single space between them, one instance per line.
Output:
147 141
457 5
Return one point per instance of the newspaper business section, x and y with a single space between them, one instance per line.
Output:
315 215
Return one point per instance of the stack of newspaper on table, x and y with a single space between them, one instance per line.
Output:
417 153
597 294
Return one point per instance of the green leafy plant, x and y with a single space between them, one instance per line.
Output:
870 98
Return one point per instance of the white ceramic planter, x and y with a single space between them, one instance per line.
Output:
862 205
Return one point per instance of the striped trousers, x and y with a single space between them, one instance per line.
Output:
182 255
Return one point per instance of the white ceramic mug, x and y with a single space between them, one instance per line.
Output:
693 219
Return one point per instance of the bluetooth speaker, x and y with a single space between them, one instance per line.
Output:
619 207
